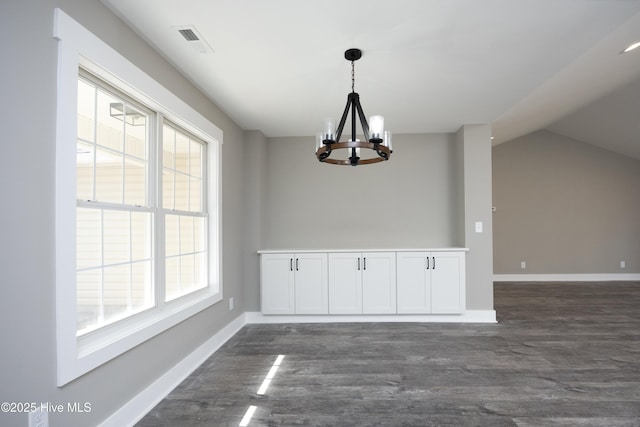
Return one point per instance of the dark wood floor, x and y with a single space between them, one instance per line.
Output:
561 355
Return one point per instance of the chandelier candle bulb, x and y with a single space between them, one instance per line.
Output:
376 125
387 140
329 129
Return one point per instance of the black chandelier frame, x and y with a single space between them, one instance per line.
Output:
353 106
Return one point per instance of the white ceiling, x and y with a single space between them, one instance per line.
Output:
427 65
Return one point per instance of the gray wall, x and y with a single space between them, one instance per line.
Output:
255 193
406 202
474 152
27 308
564 207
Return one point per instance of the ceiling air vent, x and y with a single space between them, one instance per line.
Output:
189 35
194 39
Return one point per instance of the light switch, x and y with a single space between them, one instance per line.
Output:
478 226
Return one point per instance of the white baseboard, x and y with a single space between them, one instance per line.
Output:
145 401
469 316
139 406
607 277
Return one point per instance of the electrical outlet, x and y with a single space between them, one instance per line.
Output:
623 264
523 264
39 418
231 303
478 226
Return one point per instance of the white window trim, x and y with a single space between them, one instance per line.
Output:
79 47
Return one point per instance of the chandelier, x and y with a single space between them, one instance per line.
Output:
376 138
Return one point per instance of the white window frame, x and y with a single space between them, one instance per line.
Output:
78 47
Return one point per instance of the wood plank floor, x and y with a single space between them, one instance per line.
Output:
561 355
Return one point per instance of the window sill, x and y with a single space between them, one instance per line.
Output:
98 347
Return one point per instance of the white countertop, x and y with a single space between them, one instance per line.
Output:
299 250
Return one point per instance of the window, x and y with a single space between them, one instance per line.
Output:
185 218
120 269
114 215
137 205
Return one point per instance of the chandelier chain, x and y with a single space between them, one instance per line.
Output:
353 77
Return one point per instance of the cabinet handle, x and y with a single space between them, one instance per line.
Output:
365 263
434 263
358 263
427 263
291 264
297 264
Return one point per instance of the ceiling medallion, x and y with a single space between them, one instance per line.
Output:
376 138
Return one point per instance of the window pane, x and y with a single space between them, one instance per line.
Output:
200 270
200 234
182 153
135 173
86 110
110 128
172 235
141 232
89 297
195 159
186 235
109 292
183 166
116 291
195 195
168 177
84 171
106 175
182 192
109 176
186 263
187 276
136 134
168 147
141 289
172 278
116 237
88 238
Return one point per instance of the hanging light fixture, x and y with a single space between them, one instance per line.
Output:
376 138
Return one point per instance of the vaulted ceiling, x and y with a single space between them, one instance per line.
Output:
427 65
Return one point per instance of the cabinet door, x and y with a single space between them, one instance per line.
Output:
311 287
446 282
378 282
276 280
414 282
345 283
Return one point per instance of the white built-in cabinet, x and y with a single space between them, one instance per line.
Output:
294 283
430 282
363 282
